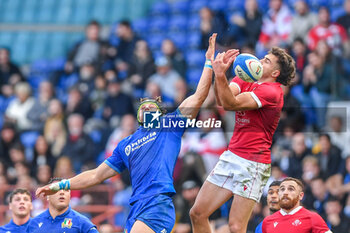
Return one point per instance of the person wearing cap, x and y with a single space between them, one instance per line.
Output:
150 155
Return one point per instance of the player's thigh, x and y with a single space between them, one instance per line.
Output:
241 209
210 198
141 227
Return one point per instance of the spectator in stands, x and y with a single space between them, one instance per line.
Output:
79 146
10 74
39 111
334 34
16 153
276 26
212 22
55 131
317 82
344 20
127 127
20 204
127 41
311 169
299 151
8 139
90 50
77 104
299 53
59 215
340 137
42 155
43 174
249 24
117 103
329 156
302 21
141 68
99 93
337 221
176 58
320 195
87 74
167 79
18 109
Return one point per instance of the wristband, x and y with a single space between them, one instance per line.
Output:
208 64
63 184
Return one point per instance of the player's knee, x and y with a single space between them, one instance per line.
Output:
236 227
196 214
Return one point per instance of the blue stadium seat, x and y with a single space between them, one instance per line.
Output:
28 139
155 41
193 76
263 5
140 26
194 40
217 5
196 5
39 47
57 63
179 39
6 38
100 11
336 12
234 5
29 15
11 10
195 58
159 8
158 24
178 23
335 3
179 7
57 45
316 4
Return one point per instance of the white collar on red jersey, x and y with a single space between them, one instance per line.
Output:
292 212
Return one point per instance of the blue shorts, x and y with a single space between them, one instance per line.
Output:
157 212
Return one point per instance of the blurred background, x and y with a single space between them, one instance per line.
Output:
72 73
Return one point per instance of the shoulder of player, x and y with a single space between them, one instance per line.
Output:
272 217
75 215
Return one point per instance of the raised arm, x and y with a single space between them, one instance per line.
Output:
229 101
83 180
191 105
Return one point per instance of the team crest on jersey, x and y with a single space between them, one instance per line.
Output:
67 223
296 222
275 224
163 231
127 150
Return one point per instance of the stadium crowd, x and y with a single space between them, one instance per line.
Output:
74 120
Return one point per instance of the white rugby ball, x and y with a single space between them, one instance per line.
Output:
248 67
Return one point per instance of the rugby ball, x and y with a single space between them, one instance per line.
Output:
248 67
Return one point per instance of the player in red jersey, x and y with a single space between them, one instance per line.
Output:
293 217
244 168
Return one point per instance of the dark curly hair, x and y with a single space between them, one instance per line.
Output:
286 65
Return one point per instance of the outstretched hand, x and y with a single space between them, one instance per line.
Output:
224 60
211 48
45 191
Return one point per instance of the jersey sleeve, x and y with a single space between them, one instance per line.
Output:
258 229
318 224
266 96
238 83
87 226
116 160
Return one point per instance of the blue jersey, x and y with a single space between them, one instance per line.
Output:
11 227
150 156
69 222
258 229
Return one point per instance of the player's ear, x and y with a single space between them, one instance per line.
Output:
276 73
301 196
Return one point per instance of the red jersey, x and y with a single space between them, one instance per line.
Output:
334 34
300 220
252 136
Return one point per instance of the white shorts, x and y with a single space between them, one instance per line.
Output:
241 176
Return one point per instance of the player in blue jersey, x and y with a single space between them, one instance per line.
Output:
150 156
272 201
59 217
20 204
